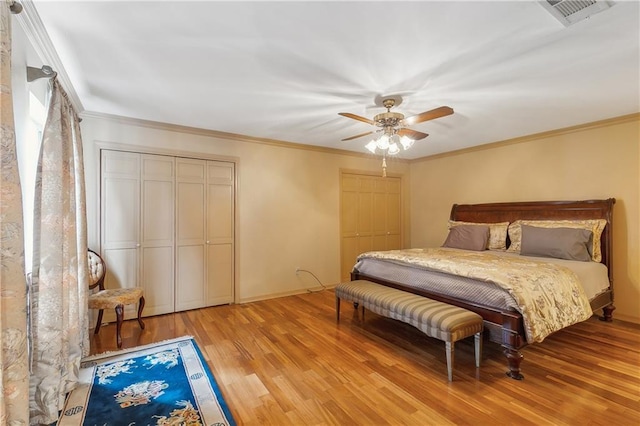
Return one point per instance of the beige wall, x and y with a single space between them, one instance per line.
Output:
287 202
591 162
288 198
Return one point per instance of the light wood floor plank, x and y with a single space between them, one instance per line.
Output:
287 362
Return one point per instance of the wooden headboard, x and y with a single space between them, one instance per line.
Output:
544 210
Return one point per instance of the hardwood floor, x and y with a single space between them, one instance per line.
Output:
287 362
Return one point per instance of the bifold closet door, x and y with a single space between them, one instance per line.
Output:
220 232
167 225
205 193
120 221
370 216
137 227
157 236
190 233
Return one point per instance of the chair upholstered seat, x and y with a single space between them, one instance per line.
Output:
109 299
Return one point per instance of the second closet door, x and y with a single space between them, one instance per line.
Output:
205 195
157 233
190 233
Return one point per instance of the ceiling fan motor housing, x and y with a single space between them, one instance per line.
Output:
388 119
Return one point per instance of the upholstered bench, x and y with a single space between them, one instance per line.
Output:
436 319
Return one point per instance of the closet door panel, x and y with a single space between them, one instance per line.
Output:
121 200
190 234
379 213
122 268
350 252
220 213
190 212
220 274
393 209
158 218
120 222
349 214
157 223
122 272
220 232
157 280
190 277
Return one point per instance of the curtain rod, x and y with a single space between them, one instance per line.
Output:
15 7
35 73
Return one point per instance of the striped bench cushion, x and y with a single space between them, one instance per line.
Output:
436 319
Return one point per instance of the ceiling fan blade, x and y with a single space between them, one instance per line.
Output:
428 115
356 117
357 136
413 134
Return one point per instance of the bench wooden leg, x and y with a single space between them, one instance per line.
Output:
337 309
478 347
450 359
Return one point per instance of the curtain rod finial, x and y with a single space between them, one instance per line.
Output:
15 7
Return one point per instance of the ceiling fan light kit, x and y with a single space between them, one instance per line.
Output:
393 131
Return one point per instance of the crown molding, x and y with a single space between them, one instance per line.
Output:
536 136
225 135
33 27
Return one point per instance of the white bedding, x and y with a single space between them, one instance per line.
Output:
550 293
592 275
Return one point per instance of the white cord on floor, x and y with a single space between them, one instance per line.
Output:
314 276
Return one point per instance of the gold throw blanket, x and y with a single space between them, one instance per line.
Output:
549 296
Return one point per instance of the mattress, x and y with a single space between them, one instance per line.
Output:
592 276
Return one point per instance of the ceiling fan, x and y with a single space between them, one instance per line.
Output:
394 123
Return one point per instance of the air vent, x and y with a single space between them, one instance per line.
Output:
571 11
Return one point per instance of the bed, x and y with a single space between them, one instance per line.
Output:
504 322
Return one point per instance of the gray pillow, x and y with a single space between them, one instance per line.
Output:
561 243
468 237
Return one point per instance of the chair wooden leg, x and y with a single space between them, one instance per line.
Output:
99 323
140 308
119 318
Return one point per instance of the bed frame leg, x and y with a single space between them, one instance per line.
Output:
514 358
607 313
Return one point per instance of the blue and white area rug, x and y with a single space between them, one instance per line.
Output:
167 383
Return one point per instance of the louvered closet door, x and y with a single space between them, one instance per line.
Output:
370 217
190 233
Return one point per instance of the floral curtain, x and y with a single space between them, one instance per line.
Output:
60 275
14 372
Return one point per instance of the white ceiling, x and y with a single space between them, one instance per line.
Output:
284 70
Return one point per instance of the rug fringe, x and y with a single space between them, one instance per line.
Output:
135 348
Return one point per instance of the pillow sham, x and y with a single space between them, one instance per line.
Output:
468 237
560 243
497 233
594 225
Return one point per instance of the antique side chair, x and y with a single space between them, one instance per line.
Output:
111 298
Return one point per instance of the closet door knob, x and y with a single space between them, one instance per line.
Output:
208 242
